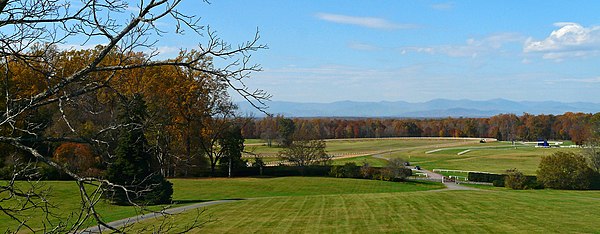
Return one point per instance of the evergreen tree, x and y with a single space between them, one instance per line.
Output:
232 145
134 167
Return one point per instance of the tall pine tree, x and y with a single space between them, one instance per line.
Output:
134 167
232 145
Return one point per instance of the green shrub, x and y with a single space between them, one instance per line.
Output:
348 170
351 170
565 170
515 179
367 171
498 183
336 171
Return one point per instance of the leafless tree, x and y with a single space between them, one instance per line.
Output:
31 33
303 153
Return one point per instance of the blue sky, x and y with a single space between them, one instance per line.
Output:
325 51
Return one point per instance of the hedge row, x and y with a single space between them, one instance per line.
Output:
485 177
498 180
389 173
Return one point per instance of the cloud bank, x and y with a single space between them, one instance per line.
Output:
368 22
473 48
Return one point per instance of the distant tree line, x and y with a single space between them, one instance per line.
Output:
507 127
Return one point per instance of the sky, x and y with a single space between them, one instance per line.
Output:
415 51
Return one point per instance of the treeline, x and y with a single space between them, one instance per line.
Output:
568 126
188 115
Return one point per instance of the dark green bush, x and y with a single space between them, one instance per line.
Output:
515 179
348 170
565 170
368 172
485 177
351 170
498 183
336 171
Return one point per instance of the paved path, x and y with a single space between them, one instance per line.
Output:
131 220
450 185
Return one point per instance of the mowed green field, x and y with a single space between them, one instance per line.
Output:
64 200
495 210
496 157
64 194
312 204
366 145
496 160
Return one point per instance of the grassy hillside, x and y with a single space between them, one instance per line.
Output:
222 188
366 145
489 210
495 160
494 157
65 196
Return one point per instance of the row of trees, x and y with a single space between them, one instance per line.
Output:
568 126
189 114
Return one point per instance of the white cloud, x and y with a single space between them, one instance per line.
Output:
167 50
570 40
472 48
362 46
443 6
368 22
586 80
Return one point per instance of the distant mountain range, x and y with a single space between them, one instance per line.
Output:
437 108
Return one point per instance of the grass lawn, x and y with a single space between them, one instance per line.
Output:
494 157
64 200
489 210
366 145
254 141
375 162
314 204
64 194
224 188
489 157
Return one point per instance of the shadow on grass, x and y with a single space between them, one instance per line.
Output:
191 201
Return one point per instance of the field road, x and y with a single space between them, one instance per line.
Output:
128 221
450 185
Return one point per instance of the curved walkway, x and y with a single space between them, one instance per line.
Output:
450 185
139 218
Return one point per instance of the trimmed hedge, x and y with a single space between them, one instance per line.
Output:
498 180
283 171
485 177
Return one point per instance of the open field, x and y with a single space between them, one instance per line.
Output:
65 193
313 204
64 199
494 157
489 210
366 145
373 161
223 188
495 160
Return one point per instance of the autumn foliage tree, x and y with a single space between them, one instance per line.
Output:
79 158
51 95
